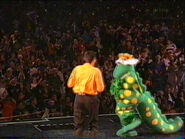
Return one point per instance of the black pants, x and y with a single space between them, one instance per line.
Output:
86 105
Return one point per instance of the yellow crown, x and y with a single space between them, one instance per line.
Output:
125 56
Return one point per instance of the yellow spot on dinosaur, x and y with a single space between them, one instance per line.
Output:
180 124
118 108
135 86
137 94
171 127
125 85
126 111
147 108
120 112
121 96
130 80
158 115
125 101
148 114
154 107
134 101
162 123
127 93
163 130
149 100
155 122
123 108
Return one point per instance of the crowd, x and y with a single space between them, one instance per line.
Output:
41 42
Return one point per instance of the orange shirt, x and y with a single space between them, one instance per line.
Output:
86 79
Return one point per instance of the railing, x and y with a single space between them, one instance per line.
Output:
59 117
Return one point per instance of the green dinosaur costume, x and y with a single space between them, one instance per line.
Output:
134 102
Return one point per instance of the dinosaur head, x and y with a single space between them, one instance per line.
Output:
126 62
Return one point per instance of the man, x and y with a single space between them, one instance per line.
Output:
87 82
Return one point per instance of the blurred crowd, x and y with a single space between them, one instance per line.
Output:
41 42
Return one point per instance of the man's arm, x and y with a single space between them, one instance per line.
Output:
99 81
71 80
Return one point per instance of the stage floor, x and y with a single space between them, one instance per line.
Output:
63 128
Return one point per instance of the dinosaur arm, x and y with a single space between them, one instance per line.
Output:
115 87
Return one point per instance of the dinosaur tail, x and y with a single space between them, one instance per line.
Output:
151 114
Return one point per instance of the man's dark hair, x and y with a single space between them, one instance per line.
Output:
89 56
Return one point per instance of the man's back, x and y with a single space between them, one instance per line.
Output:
86 79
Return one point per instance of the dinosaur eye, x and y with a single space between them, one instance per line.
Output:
118 63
